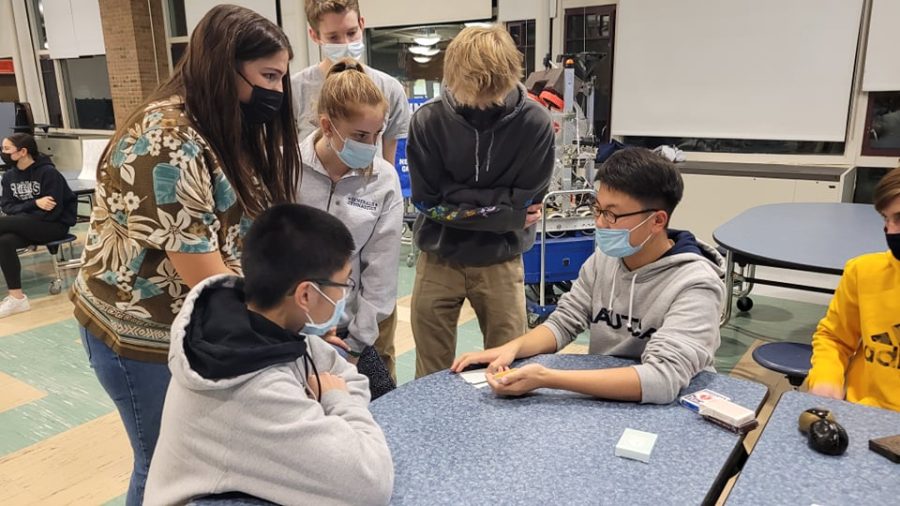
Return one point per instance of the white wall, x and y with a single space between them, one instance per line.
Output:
293 22
540 12
7 30
381 13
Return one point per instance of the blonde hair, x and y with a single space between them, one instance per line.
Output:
482 66
887 189
315 9
346 88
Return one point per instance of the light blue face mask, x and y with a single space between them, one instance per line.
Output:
320 329
615 242
356 155
335 52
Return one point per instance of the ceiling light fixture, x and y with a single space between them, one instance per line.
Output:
424 51
427 39
422 59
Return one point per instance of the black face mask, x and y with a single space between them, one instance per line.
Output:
893 241
263 106
7 159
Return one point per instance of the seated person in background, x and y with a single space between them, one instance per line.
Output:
855 346
257 404
38 207
648 293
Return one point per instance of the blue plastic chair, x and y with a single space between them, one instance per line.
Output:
790 359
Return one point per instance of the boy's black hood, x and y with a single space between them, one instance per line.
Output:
224 339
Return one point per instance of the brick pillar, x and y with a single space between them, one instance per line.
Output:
134 34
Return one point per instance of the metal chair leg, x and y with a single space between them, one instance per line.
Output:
729 288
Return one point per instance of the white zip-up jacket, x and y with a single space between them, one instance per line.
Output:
370 204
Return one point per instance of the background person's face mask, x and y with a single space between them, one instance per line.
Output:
320 329
335 52
355 154
893 241
616 242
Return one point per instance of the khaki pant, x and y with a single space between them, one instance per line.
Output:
496 292
384 345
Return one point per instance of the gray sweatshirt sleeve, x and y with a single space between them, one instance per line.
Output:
574 310
398 119
301 445
379 259
684 345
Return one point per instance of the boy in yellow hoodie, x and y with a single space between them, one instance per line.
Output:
855 347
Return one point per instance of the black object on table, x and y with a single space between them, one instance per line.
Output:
782 469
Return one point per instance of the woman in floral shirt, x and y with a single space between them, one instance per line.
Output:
177 189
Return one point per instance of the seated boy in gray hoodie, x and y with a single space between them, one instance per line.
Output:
648 293
258 403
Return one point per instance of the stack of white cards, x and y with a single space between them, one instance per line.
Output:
475 378
636 444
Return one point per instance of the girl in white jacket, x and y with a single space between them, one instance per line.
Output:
343 176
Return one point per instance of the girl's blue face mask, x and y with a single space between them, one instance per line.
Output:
320 329
616 242
355 154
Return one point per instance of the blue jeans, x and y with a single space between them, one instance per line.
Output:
138 389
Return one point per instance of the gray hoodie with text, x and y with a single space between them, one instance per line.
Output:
665 313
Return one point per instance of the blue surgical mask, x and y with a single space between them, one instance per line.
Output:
335 52
320 329
615 242
356 155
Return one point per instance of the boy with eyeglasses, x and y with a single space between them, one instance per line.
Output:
649 293
259 404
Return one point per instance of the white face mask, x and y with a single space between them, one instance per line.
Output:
335 52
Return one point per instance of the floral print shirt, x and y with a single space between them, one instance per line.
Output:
159 190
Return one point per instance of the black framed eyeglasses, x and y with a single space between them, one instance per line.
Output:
349 286
611 217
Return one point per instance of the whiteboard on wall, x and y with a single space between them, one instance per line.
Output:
761 69
381 13
194 10
73 28
61 39
88 28
882 71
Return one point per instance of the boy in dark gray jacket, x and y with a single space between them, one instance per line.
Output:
480 160
648 293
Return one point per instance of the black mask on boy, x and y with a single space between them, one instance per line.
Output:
893 241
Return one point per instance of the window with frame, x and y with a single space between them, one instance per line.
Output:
89 99
522 33
882 130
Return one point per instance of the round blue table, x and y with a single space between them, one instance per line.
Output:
813 237
455 444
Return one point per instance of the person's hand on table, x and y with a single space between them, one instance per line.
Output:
828 390
498 359
518 381
46 203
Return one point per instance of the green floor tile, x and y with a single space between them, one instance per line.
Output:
52 359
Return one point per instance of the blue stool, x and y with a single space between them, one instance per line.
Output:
790 359
59 260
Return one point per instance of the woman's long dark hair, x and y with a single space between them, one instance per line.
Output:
22 140
255 158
